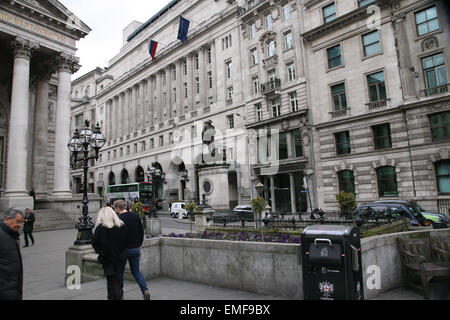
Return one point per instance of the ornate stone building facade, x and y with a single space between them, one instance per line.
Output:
378 80
38 43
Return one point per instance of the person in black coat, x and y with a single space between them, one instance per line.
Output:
28 227
110 241
11 268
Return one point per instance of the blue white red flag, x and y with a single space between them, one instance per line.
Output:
152 48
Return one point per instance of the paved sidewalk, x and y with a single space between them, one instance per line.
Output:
44 265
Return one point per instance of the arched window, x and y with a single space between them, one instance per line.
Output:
443 176
124 177
387 182
346 181
140 176
111 179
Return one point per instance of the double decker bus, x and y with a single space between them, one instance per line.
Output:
143 191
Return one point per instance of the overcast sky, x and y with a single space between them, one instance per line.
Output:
107 19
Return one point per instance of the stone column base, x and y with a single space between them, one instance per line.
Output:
16 202
153 226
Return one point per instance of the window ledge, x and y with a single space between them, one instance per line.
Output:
427 35
372 55
336 68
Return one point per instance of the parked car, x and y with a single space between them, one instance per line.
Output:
246 212
178 208
437 220
386 210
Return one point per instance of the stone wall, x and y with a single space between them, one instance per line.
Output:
265 268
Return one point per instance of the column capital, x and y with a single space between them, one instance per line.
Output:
23 48
67 62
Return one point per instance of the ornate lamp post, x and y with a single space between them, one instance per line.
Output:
80 143
155 176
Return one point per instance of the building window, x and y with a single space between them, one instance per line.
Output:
185 90
382 136
79 121
210 79
161 141
283 146
209 55
255 82
288 41
334 57
276 108
259 112
143 146
440 126
343 143
371 42
211 101
128 150
387 182
294 101
230 93
443 176
346 181
152 143
434 71
171 140
253 31
121 152
197 66
254 57
286 12
329 13
193 132
339 97
135 148
363 3
185 67
297 142
377 87
269 22
271 49
174 74
197 85
427 21
230 119
229 67
174 95
291 71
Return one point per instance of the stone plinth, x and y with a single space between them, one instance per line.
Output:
202 214
153 226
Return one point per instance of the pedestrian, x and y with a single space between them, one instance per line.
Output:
28 227
33 194
110 241
135 239
11 268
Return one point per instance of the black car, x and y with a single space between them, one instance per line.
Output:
386 211
437 220
244 212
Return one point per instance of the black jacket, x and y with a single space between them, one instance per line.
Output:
11 268
110 244
135 229
29 222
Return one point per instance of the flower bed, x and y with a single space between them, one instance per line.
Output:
239 236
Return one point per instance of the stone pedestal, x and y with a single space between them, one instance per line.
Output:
202 213
74 257
153 226
217 176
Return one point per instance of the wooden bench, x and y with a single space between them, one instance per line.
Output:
423 260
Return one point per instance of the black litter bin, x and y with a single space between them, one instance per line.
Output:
331 260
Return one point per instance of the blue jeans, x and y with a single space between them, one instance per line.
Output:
133 258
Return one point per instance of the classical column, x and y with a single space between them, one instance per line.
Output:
151 100
16 175
67 64
289 144
272 192
40 135
169 89
141 114
127 111
202 77
293 193
190 97
121 114
214 70
158 104
179 87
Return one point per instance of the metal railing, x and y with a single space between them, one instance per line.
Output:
271 85
435 90
250 5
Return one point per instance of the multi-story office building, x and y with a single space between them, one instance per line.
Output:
378 79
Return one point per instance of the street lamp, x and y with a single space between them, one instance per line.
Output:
260 189
80 143
155 175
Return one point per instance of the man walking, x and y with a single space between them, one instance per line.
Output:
11 268
28 227
133 251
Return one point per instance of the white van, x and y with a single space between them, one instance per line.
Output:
177 209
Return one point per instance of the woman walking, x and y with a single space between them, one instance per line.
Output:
110 242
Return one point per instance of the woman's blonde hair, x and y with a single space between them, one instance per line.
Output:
108 217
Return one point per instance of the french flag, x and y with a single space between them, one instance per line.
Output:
152 48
